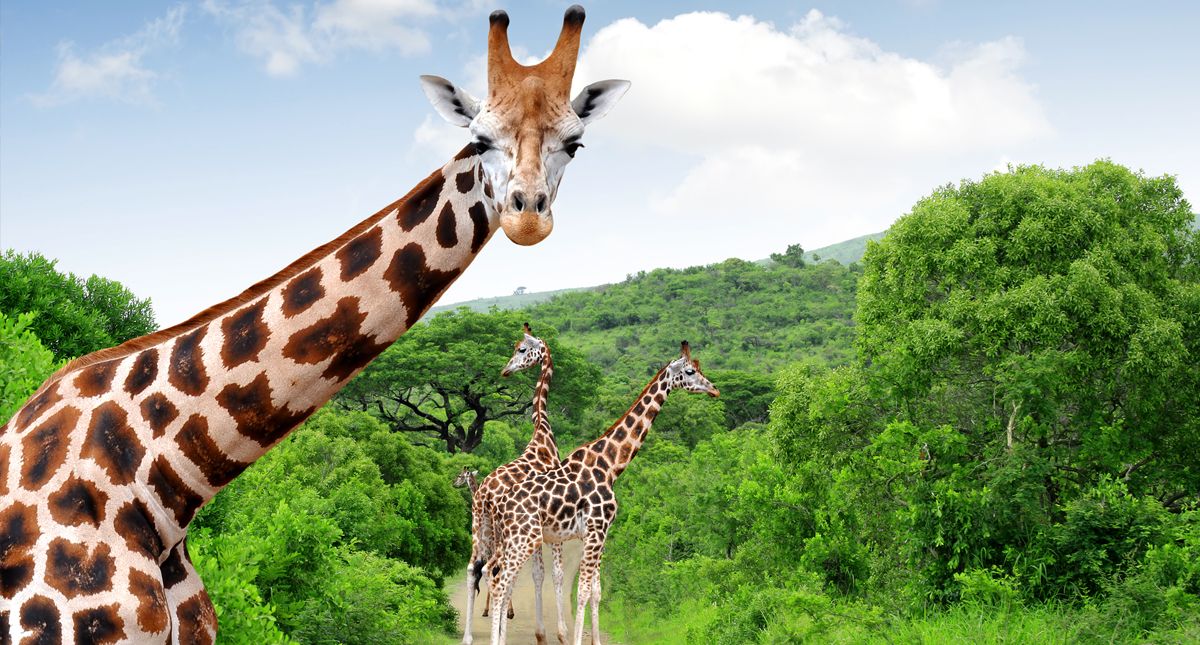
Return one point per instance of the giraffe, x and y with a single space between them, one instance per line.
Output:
540 455
102 470
576 500
467 478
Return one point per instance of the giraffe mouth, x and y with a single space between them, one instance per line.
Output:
526 228
714 393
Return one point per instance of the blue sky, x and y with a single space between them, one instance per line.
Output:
191 149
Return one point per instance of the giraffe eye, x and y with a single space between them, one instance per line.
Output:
521 350
571 147
689 371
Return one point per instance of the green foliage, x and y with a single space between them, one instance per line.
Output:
75 316
24 363
441 379
341 534
1011 458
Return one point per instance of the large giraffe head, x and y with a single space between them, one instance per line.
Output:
527 353
528 129
684 373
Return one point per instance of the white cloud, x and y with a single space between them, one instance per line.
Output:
115 70
287 39
820 133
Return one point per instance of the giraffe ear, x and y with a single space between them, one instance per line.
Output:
597 99
454 104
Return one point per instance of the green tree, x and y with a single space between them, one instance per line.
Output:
792 257
76 316
442 379
1037 333
24 362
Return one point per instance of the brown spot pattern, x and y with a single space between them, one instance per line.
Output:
186 370
419 206
143 372
75 570
256 417
78 502
40 617
95 379
360 253
196 444
36 405
113 444
45 448
418 285
98 625
465 181
173 570
480 232
337 337
173 493
447 227
302 292
152 613
197 619
245 334
133 523
159 412
18 532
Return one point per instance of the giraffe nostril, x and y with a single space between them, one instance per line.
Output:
542 202
518 200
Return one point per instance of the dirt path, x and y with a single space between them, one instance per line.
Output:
520 628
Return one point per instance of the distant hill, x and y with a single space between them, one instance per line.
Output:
506 302
845 252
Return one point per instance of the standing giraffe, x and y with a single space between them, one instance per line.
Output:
576 502
104 467
540 455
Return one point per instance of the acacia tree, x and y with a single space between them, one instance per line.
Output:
442 379
75 316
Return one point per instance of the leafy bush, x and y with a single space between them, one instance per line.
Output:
24 363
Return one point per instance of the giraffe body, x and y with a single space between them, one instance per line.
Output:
575 501
540 455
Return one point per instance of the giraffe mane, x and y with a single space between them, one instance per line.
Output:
259 288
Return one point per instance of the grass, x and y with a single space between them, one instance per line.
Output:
1042 624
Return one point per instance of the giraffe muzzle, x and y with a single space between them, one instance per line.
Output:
526 227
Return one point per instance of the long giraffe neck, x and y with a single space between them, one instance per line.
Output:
614 449
542 445
178 414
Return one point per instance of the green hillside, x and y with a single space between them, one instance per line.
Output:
744 315
845 252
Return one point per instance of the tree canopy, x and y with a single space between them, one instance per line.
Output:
75 316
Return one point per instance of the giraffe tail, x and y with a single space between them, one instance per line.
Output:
478 566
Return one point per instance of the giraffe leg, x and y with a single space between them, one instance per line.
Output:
589 568
539 575
596 608
193 618
557 549
516 552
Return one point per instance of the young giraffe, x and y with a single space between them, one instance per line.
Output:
104 467
540 455
576 500
467 478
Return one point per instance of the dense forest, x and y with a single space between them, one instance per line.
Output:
983 431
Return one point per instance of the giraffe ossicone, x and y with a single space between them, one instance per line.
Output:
575 501
102 470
